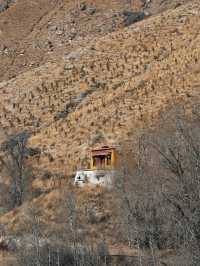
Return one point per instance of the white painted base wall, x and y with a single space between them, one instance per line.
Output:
95 177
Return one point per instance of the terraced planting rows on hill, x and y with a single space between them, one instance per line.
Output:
105 91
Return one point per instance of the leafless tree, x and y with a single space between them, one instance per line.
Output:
130 4
162 202
13 157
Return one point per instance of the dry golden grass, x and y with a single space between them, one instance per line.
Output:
130 78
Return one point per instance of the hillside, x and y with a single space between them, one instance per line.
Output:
32 33
116 84
103 86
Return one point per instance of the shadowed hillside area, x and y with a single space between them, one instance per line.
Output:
79 75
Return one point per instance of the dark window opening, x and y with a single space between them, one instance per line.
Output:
99 161
109 159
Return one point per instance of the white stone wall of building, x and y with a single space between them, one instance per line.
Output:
95 177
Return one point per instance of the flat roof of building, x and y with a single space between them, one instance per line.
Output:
104 148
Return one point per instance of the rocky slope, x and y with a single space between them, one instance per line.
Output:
32 33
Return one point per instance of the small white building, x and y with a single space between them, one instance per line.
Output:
102 168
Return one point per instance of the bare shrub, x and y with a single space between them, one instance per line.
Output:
5 4
161 206
42 249
63 256
14 152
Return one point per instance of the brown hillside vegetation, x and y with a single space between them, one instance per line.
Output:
35 32
101 87
104 92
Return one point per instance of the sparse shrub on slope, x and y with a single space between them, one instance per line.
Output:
5 4
132 17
